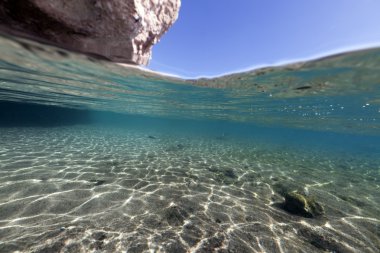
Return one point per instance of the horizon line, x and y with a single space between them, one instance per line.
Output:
328 53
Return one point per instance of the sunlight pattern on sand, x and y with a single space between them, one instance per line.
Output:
81 188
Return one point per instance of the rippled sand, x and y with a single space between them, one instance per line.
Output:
89 189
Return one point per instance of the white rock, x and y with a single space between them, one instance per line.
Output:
121 30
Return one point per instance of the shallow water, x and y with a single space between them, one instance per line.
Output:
96 157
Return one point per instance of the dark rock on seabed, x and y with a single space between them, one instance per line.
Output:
302 205
99 236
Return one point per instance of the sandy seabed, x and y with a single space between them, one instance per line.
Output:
94 189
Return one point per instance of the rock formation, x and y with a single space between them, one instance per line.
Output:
302 205
120 30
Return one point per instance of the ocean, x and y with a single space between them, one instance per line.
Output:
99 157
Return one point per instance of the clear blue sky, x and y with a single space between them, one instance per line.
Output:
212 37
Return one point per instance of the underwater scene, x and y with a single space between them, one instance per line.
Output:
101 157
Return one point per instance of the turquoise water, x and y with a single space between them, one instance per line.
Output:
98 157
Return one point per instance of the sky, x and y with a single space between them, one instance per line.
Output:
213 37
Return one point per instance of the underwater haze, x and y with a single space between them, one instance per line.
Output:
99 157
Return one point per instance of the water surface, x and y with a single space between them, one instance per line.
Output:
98 157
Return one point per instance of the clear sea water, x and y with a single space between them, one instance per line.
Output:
98 157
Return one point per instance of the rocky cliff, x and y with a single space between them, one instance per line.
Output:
120 30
